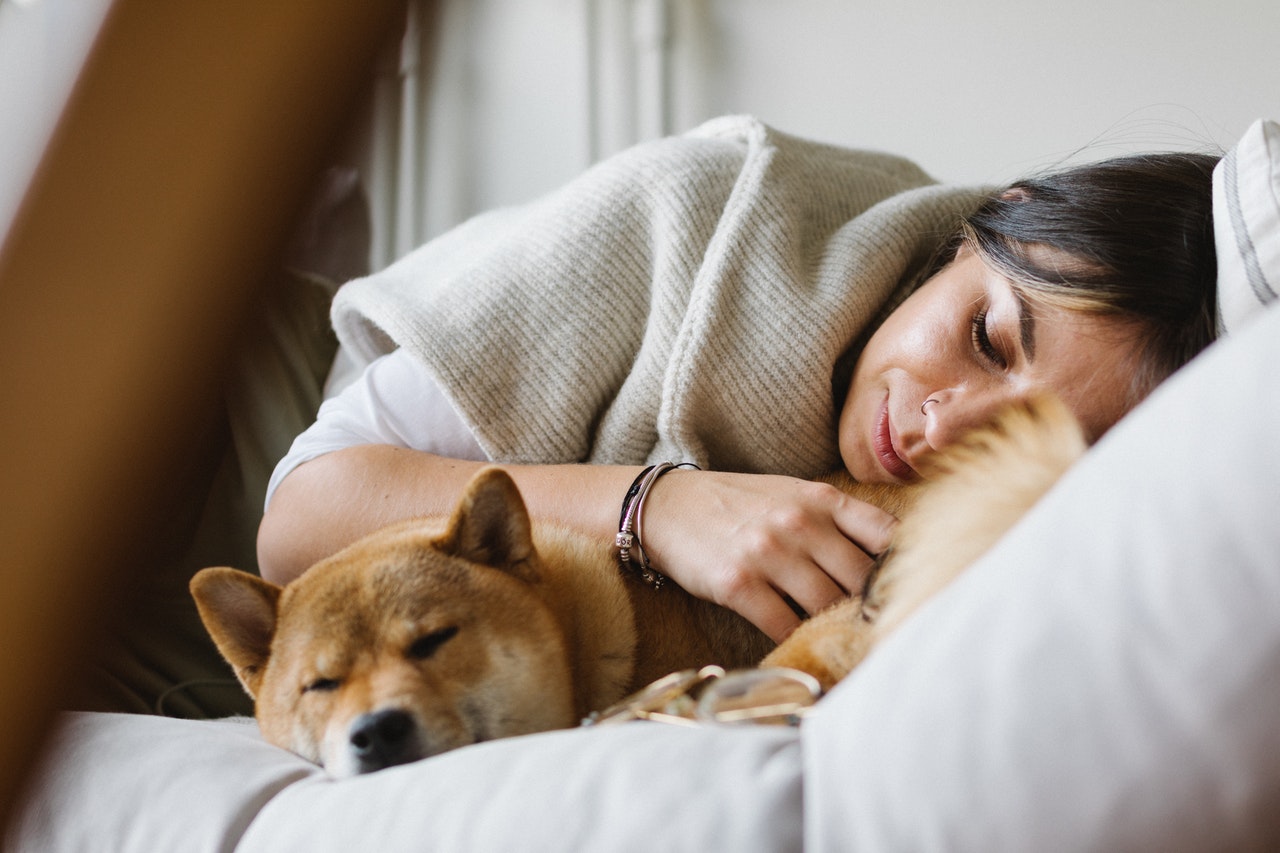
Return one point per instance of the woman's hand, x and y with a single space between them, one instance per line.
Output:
752 542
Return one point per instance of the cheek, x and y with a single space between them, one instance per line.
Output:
927 339
867 391
915 343
847 435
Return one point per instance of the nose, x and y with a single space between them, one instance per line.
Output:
383 738
949 414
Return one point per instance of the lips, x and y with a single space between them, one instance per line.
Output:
882 442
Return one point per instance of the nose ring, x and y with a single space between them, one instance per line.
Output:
925 403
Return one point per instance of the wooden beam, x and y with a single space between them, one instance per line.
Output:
188 146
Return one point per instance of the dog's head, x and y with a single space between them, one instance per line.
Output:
417 639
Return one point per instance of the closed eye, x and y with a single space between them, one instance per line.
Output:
981 338
322 685
428 644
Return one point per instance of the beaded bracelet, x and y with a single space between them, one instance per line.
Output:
629 523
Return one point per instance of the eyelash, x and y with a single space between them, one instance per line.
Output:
982 341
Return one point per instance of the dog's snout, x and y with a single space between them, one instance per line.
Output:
383 738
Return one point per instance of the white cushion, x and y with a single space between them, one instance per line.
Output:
138 783
1246 221
1108 676
641 786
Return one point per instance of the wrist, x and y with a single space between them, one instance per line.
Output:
629 541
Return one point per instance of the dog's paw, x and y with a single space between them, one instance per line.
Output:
827 646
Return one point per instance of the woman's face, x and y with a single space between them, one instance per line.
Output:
971 344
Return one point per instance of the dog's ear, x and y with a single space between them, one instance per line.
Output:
491 526
239 612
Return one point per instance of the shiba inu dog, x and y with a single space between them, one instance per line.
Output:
433 634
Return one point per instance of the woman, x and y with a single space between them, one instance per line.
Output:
764 267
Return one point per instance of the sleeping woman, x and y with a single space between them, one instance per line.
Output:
761 306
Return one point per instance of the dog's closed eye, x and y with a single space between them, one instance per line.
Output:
428 644
321 685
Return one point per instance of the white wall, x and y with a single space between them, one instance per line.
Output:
983 90
515 97
975 92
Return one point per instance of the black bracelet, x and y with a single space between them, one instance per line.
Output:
629 523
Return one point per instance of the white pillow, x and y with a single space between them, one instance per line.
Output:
1108 676
1246 221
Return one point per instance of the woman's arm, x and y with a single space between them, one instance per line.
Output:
745 541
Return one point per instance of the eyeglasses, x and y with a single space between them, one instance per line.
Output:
769 696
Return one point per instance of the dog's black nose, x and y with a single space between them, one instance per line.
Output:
383 738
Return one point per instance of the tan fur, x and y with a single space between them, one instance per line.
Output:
540 627
544 635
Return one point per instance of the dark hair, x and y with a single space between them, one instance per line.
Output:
1133 237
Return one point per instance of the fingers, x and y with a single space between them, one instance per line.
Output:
822 546
866 524
841 563
769 612
799 567
752 542
776 598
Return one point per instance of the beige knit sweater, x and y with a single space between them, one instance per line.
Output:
687 299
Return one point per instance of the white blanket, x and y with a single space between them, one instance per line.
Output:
688 299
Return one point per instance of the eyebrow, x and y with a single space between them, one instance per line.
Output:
1026 325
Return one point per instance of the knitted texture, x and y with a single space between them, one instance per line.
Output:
687 299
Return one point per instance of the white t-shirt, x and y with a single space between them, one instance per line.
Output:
393 401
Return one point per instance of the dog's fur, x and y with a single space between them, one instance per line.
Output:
433 634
